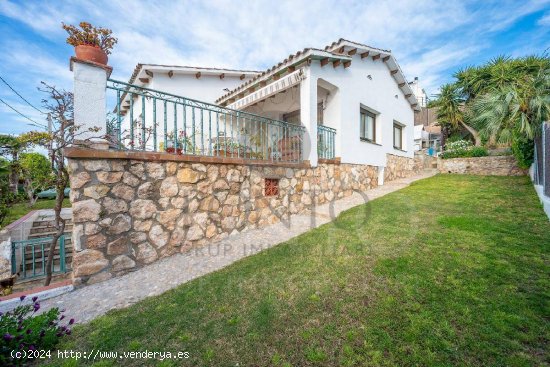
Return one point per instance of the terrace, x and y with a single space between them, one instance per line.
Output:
268 129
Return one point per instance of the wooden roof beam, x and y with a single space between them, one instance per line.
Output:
324 61
149 73
393 72
198 75
342 49
408 95
364 54
401 85
347 64
291 68
336 63
386 58
171 73
144 80
222 75
376 57
352 52
242 76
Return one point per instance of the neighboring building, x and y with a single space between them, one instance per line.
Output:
357 90
419 92
427 131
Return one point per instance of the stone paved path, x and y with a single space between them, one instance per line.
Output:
92 301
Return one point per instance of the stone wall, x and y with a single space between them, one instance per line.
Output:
128 213
5 254
400 167
483 166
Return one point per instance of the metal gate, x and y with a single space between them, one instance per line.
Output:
29 257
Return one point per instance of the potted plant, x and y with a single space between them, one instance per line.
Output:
91 43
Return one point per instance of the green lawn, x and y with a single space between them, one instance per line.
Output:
452 270
20 209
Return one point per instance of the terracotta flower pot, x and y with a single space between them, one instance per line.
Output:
91 53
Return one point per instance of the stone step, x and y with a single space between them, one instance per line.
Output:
50 234
43 229
49 223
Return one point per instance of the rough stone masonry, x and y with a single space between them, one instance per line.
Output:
128 213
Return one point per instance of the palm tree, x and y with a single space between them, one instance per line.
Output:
449 105
519 108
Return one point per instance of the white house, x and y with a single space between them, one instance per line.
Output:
351 100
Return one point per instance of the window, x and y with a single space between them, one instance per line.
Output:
271 187
368 126
397 136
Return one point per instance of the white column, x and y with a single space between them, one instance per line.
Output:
90 82
308 116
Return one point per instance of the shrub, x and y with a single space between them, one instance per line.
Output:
478 152
523 149
23 332
90 35
463 149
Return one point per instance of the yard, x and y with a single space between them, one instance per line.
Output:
452 270
20 209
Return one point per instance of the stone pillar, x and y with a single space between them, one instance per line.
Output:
90 82
308 116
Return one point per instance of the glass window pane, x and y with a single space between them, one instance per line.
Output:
362 131
397 136
370 128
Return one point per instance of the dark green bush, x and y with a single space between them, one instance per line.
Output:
523 149
478 152
24 333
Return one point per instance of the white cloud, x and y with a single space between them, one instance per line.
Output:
428 37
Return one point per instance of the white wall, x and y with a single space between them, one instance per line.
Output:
207 88
378 94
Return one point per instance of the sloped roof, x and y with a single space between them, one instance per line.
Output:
290 61
343 46
183 68
340 50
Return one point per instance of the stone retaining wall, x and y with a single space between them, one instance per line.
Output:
128 213
401 167
483 166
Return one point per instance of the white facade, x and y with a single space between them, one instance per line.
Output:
353 90
315 87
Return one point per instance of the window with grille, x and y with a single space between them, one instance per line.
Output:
271 186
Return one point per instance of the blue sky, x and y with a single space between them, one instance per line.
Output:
430 39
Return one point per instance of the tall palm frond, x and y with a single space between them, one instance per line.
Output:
516 108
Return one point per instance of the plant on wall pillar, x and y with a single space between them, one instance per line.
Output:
91 43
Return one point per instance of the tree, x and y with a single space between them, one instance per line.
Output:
12 146
4 188
59 104
37 173
514 114
449 105
64 132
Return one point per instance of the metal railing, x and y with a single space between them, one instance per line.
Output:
29 257
149 120
326 142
